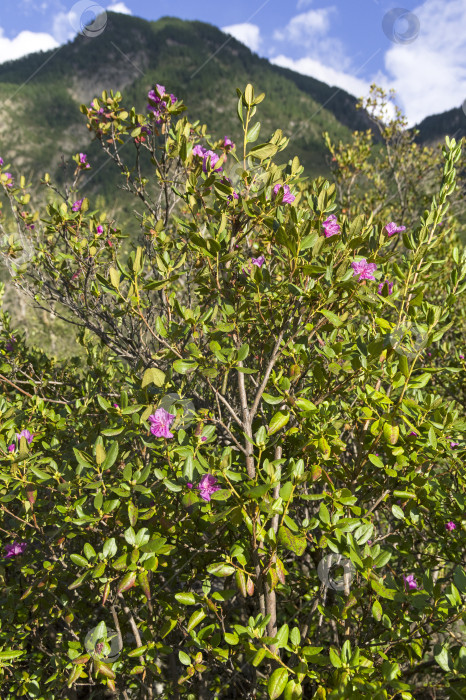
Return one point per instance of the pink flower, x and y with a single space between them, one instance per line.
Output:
461 357
1 161
155 96
83 160
410 581
413 433
203 438
12 447
288 198
199 150
77 205
330 226
454 444
450 526
207 486
189 485
10 346
9 179
228 144
12 550
392 228
210 159
161 421
100 229
26 434
381 286
115 405
363 269
255 261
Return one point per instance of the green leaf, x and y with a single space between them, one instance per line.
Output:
292 542
324 515
335 658
111 456
333 318
263 151
39 473
391 433
11 654
195 619
221 569
127 582
282 635
253 134
376 461
99 454
82 461
185 366
397 512
382 559
377 611
249 95
258 657
442 659
432 438
243 352
78 560
231 638
184 658
153 376
272 400
293 691
278 421
305 405
186 598
277 683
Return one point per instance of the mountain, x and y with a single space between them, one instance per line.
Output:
434 128
41 93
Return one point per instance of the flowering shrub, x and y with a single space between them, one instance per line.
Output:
195 555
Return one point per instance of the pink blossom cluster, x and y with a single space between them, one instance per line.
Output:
331 226
25 434
209 158
157 105
288 198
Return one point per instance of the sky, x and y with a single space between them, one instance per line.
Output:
419 49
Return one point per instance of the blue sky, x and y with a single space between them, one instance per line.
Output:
419 50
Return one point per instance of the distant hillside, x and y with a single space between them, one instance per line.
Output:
41 93
435 128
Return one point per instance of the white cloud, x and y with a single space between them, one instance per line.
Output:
24 43
303 28
327 74
119 7
247 33
66 25
303 3
429 74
